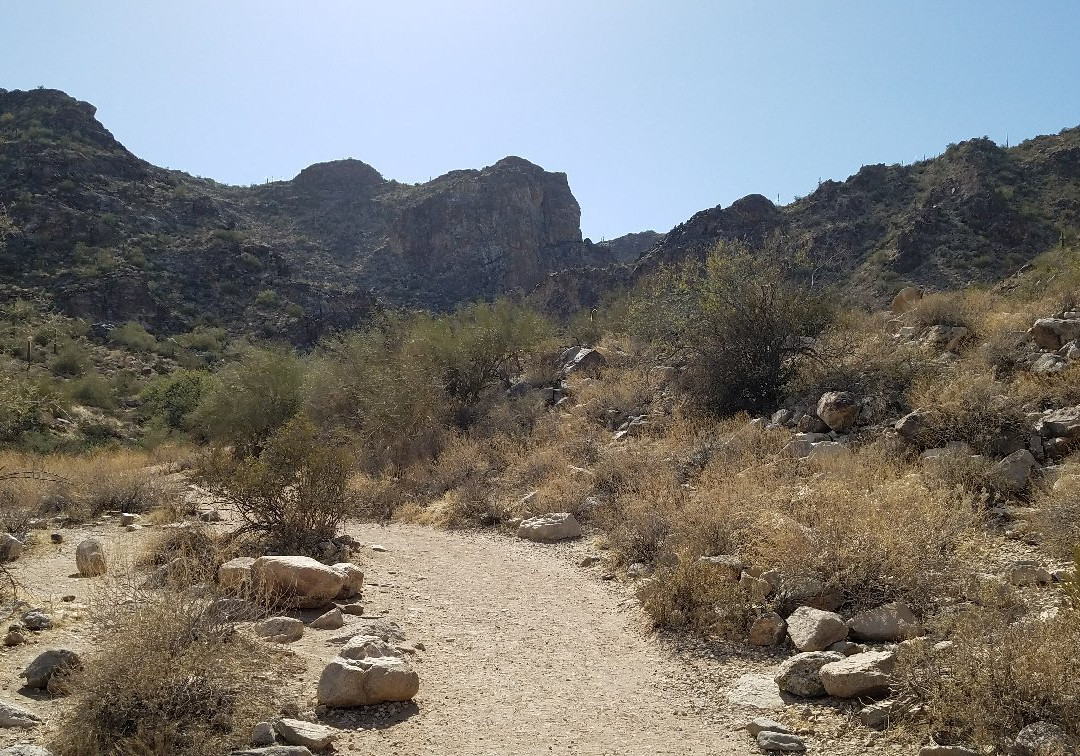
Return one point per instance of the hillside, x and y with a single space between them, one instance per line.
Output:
90 228
974 214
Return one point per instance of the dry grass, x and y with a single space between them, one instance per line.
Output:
167 679
1058 512
1000 674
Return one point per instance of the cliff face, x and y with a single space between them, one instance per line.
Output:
104 235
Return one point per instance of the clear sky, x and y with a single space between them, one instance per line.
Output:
655 110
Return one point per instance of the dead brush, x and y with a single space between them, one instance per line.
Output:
167 678
1057 512
999 675
690 595
968 406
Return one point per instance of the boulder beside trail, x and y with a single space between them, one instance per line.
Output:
362 682
42 672
554 526
800 675
90 558
815 630
296 581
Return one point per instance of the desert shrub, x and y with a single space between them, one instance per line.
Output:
172 398
1000 675
1057 512
248 401
294 495
70 361
735 321
193 552
93 391
204 339
133 336
690 596
969 475
167 678
965 308
968 406
23 402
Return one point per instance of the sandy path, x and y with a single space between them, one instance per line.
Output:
525 654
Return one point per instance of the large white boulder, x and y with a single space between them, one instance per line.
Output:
363 682
554 526
888 622
296 581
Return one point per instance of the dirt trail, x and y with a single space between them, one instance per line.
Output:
525 654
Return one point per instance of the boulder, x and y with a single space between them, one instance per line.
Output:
800 676
262 734
772 741
1043 739
905 299
554 526
353 577
1048 363
815 630
911 424
809 591
826 451
90 558
363 682
1017 468
332 620
13 715
1060 423
889 622
767 630
308 734
235 574
50 666
10 547
866 674
296 581
280 629
585 360
1054 333
36 620
838 410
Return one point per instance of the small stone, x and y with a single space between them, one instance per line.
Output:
867 674
49 667
379 548
589 561
129 518
14 638
764 724
210 515
554 526
262 734
767 630
779 741
353 609
332 620
301 733
280 629
36 620
90 558
56 537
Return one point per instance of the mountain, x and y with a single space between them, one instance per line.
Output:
91 229
974 214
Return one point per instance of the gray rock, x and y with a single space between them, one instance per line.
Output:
43 671
90 558
367 647
296 581
800 675
129 518
755 692
726 566
867 674
1043 739
554 526
888 622
953 750
764 724
36 619
10 547
779 741
1053 333
815 630
275 750
300 733
332 620
262 734
911 424
838 410
362 682
13 715
1062 423
25 749
280 629
1017 468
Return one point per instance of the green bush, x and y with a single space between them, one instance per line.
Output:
249 400
70 361
294 495
133 336
171 398
93 391
736 321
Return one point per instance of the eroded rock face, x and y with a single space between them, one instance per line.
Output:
363 682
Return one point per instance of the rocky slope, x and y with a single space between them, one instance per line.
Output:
103 235
976 213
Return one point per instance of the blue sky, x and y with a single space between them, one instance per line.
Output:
655 110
